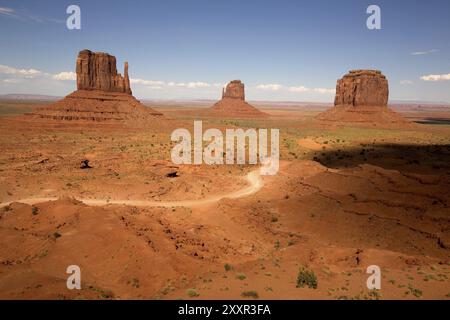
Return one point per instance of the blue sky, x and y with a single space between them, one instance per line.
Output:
282 50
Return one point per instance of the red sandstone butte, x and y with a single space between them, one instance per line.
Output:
102 94
362 88
233 104
362 97
97 71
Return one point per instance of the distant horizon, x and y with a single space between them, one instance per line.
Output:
56 97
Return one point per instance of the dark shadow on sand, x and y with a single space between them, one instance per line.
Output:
426 159
436 121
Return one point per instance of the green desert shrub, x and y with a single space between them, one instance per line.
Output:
227 267
307 278
240 276
192 293
250 294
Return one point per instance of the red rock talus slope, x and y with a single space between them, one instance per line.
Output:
102 95
95 105
233 103
362 97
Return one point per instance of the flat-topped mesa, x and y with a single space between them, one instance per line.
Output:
97 71
362 88
361 99
234 90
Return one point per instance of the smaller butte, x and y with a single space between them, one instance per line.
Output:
233 104
362 97
102 95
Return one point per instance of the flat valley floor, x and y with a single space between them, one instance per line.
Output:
139 227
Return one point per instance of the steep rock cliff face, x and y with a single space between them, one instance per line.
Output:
234 90
362 88
97 71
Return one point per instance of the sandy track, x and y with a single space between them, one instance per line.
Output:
253 177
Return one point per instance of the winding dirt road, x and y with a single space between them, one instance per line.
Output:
253 177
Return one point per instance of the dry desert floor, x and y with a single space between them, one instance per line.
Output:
139 227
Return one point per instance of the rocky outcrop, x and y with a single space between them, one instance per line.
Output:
97 71
362 98
233 104
362 88
234 90
103 95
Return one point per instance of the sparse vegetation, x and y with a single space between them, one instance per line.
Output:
192 293
102 294
167 288
375 294
240 276
228 267
277 244
34 210
414 291
307 278
134 283
250 294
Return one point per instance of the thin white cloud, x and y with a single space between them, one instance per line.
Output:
65 76
24 15
299 89
198 84
303 89
17 73
176 84
156 84
29 73
324 90
269 86
406 82
436 77
11 80
6 11
149 83
421 53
